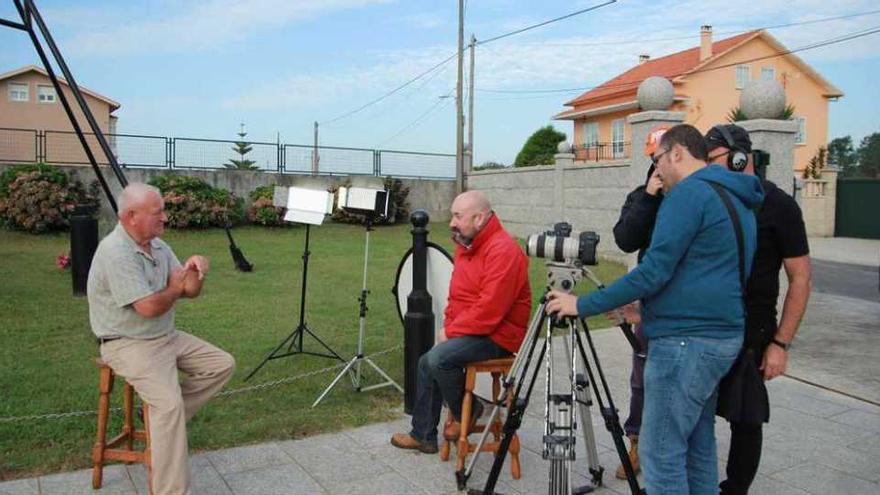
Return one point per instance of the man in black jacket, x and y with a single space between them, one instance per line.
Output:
782 241
633 233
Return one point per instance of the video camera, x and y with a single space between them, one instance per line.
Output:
559 245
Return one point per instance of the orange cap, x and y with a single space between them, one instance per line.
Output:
653 139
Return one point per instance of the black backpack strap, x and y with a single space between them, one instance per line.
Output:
737 227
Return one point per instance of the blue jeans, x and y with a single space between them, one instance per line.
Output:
677 443
441 378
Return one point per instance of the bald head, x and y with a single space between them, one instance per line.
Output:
135 195
472 202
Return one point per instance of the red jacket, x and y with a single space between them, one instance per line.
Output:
489 293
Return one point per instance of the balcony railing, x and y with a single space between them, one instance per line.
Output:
598 152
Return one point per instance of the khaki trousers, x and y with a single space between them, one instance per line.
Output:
151 367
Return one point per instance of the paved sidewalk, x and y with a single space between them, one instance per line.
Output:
817 442
846 250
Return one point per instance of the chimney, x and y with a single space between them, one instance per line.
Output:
705 42
644 58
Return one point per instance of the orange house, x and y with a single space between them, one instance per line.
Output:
29 101
707 80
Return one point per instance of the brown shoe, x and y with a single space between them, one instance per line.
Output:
453 430
406 441
633 458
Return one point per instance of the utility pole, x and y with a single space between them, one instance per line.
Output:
459 114
470 119
315 157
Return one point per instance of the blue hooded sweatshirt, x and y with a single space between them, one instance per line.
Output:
688 280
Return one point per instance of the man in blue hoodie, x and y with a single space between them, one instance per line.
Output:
692 313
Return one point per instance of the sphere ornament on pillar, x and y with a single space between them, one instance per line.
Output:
655 93
762 99
563 147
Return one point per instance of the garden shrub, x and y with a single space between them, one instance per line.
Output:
262 210
193 203
40 198
398 210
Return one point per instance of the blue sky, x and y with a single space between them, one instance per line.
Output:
199 68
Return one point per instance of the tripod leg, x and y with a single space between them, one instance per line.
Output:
336 380
271 355
514 415
609 412
384 375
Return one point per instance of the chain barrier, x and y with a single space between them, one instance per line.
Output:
225 393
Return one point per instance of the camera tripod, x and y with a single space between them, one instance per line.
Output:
560 422
355 362
295 339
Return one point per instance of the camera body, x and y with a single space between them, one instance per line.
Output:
558 245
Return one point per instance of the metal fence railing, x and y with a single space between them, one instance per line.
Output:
409 164
19 145
140 151
598 152
218 154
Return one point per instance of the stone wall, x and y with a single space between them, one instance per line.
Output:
435 196
530 200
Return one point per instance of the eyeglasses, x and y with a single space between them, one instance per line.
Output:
655 159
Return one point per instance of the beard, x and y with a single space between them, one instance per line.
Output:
460 238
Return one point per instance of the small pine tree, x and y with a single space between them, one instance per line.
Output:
241 147
814 167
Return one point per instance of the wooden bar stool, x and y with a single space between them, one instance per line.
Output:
103 450
497 367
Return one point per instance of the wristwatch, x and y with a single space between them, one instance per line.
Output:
784 345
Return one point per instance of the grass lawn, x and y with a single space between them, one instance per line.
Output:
47 348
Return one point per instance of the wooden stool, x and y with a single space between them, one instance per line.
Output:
497 367
107 451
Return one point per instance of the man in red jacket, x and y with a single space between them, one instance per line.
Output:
485 317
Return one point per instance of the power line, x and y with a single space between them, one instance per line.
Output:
505 35
550 21
634 40
395 90
818 44
441 100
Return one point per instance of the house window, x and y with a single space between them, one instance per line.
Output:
45 94
617 138
768 73
742 76
18 91
801 136
591 134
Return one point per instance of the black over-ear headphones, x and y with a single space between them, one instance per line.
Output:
737 159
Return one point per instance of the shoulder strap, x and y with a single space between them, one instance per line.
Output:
737 227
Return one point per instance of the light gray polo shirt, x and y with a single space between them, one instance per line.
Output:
122 273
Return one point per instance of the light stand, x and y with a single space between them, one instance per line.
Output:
313 213
357 359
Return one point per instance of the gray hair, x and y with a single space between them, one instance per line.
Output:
134 195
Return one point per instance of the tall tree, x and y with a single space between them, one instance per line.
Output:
539 148
842 155
241 147
869 156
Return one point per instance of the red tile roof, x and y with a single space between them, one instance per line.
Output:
670 67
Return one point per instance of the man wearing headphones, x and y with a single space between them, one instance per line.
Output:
782 241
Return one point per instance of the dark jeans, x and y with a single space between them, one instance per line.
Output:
441 378
743 459
636 386
746 439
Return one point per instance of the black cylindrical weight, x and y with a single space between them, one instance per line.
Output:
83 243
418 322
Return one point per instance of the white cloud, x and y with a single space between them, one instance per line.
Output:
198 26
